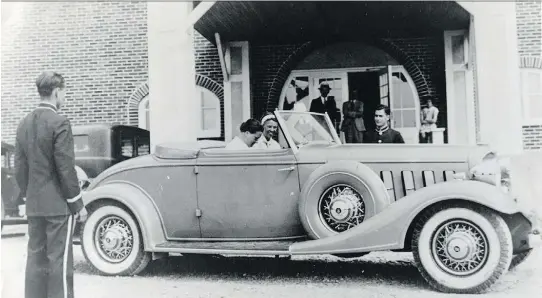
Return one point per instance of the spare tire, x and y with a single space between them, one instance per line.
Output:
338 196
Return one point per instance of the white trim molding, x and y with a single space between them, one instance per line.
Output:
460 131
244 78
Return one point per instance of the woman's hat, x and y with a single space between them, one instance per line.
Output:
268 117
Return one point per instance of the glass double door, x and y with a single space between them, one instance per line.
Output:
398 92
395 89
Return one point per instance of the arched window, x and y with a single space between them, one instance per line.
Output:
210 115
144 113
531 93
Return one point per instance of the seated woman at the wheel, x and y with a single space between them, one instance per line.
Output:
270 130
251 131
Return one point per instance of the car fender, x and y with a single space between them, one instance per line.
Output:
138 202
355 174
388 229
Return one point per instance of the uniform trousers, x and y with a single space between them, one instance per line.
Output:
49 265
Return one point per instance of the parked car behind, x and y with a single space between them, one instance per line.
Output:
99 146
10 189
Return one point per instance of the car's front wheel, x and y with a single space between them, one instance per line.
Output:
461 249
112 243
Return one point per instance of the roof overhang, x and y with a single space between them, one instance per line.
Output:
299 21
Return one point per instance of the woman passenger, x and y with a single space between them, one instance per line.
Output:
251 131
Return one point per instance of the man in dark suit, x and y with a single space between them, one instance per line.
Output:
353 125
325 104
383 133
45 171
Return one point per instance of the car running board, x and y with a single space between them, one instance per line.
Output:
223 247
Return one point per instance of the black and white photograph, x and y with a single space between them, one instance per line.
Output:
217 149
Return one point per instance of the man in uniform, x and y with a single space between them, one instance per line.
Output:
383 133
45 171
270 129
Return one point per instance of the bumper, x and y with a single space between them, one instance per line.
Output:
534 239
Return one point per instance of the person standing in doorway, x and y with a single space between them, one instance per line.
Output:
45 172
429 122
383 133
353 125
325 104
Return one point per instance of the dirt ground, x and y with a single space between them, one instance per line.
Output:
380 275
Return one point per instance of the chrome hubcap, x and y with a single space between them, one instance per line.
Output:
341 208
113 239
460 248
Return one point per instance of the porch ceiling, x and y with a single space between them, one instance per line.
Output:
297 21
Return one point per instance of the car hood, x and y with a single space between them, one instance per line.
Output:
392 153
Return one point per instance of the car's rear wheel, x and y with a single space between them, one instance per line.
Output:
461 249
112 243
338 197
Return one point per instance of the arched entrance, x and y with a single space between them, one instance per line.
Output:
377 77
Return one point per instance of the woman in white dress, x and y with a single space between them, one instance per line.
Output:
251 131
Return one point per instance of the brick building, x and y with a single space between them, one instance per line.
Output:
399 53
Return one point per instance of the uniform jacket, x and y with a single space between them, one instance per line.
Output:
353 113
45 163
330 107
387 136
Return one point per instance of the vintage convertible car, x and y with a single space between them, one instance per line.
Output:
449 205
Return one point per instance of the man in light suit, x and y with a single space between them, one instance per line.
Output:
353 125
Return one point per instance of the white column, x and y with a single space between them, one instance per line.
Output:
497 75
174 114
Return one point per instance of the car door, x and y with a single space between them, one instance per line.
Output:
248 193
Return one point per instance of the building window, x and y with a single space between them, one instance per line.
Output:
210 115
144 114
531 91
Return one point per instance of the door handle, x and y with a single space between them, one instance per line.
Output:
287 169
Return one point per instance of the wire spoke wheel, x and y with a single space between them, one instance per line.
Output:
113 239
341 208
460 247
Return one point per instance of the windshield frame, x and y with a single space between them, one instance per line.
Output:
288 135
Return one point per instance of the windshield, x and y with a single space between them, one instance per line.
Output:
305 128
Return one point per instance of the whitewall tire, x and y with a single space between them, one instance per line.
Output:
112 243
461 249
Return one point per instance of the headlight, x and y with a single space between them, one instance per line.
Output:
493 170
